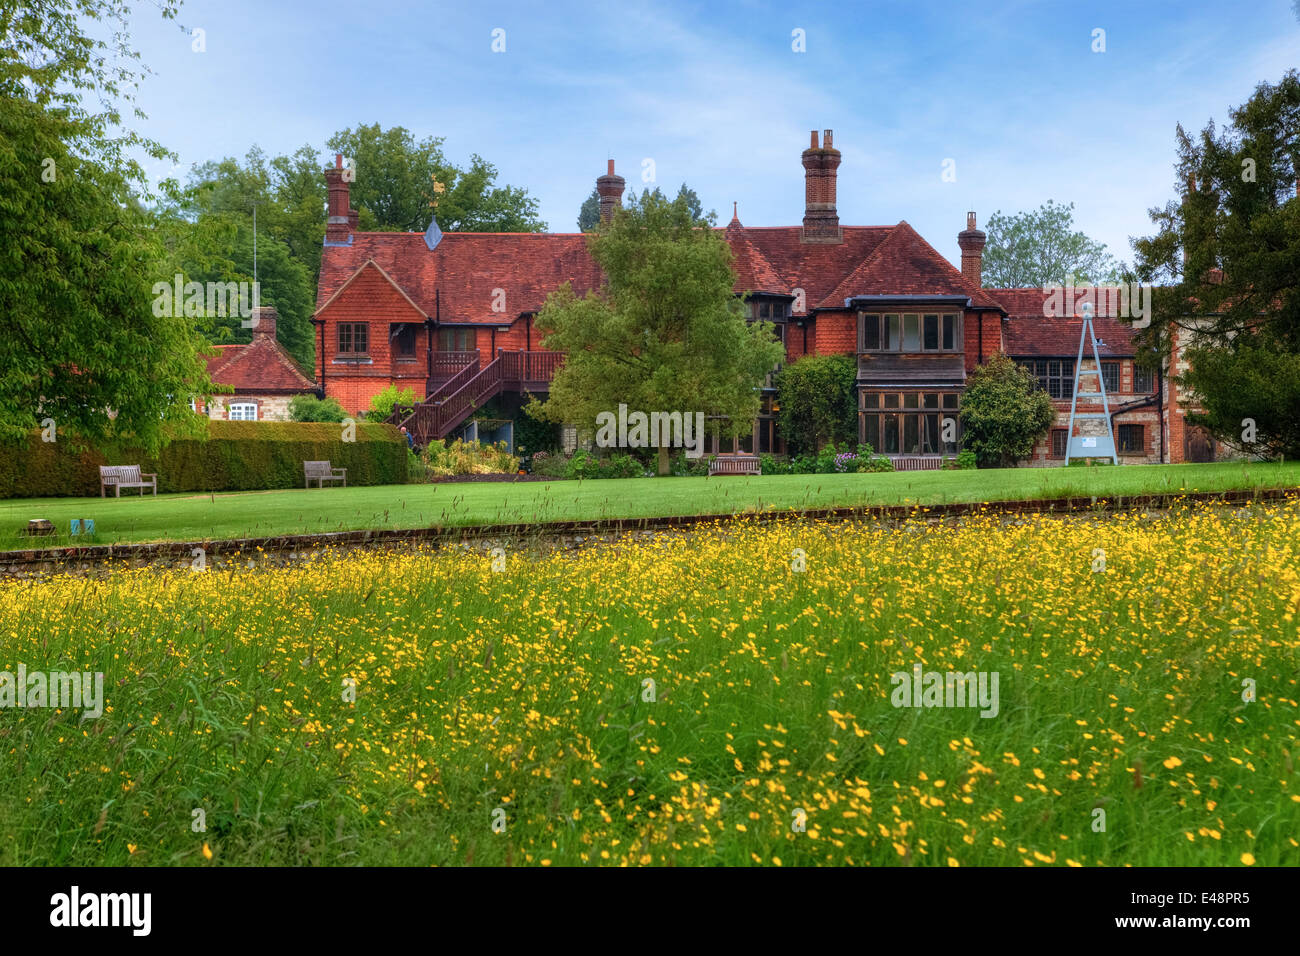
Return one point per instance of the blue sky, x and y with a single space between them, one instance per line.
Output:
716 96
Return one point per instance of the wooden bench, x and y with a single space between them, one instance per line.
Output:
735 465
125 476
321 472
918 463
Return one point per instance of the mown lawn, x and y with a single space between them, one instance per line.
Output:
685 700
301 511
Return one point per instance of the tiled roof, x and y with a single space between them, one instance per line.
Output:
260 366
467 269
1028 332
905 264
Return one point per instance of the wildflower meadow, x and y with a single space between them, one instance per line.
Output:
728 696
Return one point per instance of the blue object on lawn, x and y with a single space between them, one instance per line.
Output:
76 526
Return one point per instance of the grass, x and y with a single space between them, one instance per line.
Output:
682 700
187 517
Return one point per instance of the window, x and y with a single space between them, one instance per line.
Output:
1110 376
1132 440
1144 380
909 423
1055 376
456 340
909 333
930 333
243 412
1059 438
354 338
403 339
871 333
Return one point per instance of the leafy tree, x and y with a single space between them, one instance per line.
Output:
589 214
1003 413
381 406
400 183
665 333
1227 258
79 340
818 400
309 408
1042 247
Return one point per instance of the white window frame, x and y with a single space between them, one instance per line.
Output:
241 406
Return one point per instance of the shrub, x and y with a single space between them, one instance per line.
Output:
443 459
966 460
683 467
381 406
818 400
234 456
309 408
772 465
1003 413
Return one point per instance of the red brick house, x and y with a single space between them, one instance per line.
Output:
264 376
455 323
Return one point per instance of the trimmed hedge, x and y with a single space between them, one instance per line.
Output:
236 456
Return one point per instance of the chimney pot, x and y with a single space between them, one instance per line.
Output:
610 189
821 223
826 140
971 242
337 225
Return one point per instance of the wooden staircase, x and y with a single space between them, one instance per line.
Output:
471 388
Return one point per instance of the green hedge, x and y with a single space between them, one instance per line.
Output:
236 456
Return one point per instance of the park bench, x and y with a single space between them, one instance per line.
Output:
125 476
918 463
321 472
735 465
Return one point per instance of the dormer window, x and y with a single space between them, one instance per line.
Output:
768 308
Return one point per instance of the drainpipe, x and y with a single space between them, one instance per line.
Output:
320 326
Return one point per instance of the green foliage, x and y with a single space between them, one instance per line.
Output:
309 408
966 460
533 435
1003 413
398 177
381 406
666 333
231 456
1040 248
457 457
817 396
1252 382
78 336
1235 300
589 213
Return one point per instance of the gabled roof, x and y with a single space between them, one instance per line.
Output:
369 264
814 267
1028 332
467 269
473 271
260 366
905 264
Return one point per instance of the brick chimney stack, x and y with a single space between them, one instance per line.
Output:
263 319
821 223
971 241
342 221
610 187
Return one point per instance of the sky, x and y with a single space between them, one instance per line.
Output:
1010 98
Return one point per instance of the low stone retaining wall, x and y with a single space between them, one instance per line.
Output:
285 549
